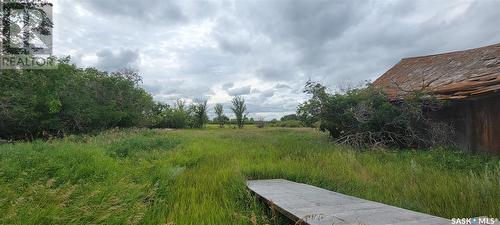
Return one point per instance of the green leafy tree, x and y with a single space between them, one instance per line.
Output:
220 118
179 116
160 115
239 109
289 117
309 111
199 113
44 103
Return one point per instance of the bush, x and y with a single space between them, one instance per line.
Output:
260 122
46 103
289 117
366 118
168 117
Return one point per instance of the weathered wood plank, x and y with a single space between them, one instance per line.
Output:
316 206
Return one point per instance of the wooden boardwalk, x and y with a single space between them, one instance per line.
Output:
315 206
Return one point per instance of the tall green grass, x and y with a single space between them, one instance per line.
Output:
187 177
114 178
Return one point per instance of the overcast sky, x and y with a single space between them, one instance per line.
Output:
264 50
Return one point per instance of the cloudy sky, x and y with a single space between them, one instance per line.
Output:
264 50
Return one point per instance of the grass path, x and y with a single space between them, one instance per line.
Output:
198 177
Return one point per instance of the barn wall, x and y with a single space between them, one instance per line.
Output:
477 123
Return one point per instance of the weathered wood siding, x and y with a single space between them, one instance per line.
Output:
477 123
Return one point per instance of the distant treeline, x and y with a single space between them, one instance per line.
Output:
46 103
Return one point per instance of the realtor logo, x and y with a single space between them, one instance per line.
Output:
26 34
476 220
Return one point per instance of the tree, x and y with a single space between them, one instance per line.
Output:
179 116
129 74
160 114
239 109
68 99
165 116
221 119
199 113
309 111
289 117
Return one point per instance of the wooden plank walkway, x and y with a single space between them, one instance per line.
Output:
315 206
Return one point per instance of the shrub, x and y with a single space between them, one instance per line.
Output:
170 117
260 122
366 117
289 117
46 103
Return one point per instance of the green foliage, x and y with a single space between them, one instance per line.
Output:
44 103
131 146
194 176
366 117
309 111
287 123
239 109
249 120
199 114
220 118
195 116
289 117
180 116
165 116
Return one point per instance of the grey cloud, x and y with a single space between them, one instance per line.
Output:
267 93
226 86
240 90
282 86
275 73
255 91
303 25
153 89
278 42
206 63
163 87
256 107
154 11
301 21
233 44
171 90
110 61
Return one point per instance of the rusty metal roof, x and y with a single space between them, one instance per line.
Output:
453 75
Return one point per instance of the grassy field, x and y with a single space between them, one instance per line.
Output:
198 177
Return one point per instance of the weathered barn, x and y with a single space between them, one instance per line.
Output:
469 79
